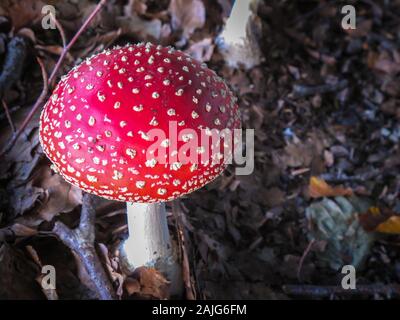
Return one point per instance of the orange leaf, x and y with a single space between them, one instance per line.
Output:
318 188
380 220
391 225
152 283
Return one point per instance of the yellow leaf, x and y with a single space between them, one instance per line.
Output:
391 225
375 211
381 220
318 188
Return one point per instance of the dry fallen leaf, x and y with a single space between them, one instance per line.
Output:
362 30
22 154
385 221
295 155
24 198
60 195
391 225
21 230
202 50
383 62
51 294
187 15
22 12
152 283
318 188
111 269
131 286
18 273
273 196
336 221
138 27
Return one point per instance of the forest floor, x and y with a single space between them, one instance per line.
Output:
324 104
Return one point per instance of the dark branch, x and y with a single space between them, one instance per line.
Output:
81 241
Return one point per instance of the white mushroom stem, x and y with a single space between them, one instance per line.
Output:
149 243
149 240
237 41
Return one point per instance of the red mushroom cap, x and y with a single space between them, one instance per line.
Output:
95 126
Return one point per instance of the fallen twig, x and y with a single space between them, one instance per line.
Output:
8 115
336 178
303 257
73 40
390 290
305 91
81 241
43 95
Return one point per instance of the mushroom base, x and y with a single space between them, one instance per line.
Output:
149 243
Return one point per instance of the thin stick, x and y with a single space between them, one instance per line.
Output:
49 80
303 257
76 36
60 30
7 112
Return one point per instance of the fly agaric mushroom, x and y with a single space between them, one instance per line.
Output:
95 130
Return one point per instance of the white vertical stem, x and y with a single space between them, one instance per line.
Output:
235 28
149 240
149 243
